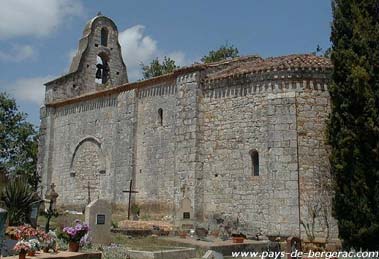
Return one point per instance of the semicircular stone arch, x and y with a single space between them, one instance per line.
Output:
87 166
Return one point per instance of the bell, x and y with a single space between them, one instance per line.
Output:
98 71
105 74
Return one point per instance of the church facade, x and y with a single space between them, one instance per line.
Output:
241 139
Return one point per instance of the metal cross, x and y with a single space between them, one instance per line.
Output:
130 191
89 192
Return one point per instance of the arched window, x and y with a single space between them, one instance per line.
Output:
104 37
254 162
160 116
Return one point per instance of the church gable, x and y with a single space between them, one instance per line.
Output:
97 65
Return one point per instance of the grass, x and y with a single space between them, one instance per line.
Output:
140 244
150 243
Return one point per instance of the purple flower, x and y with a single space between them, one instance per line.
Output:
76 232
78 227
85 240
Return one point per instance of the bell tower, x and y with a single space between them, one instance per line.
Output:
97 64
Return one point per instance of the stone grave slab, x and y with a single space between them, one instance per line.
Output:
98 217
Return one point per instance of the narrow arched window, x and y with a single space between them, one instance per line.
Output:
254 162
104 37
160 116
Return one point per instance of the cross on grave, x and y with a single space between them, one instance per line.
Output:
89 188
130 191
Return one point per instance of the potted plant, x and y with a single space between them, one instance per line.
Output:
22 247
25 232
34 246
238 238
183 234
49 241
74 234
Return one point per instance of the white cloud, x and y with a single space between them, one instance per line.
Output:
29 89
35 18
137 47
179 57
17 53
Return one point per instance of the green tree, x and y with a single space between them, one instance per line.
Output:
156 68
18 143
224 52
321 52
354 121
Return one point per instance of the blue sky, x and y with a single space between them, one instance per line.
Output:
38 38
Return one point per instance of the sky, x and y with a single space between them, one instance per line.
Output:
38 38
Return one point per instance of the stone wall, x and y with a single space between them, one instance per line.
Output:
238 119
155 148
313 108
188 167
285 121
92 143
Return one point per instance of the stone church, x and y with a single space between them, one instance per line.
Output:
240 139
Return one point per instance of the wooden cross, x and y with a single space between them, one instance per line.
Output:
130 191
89 192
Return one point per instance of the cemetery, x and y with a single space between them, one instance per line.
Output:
48 232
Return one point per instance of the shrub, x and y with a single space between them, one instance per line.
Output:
18 197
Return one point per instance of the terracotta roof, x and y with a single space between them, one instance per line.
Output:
222 69
128 86
299 61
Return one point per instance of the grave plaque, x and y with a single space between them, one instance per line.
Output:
98 217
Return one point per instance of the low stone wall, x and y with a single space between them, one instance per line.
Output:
182 253
63 255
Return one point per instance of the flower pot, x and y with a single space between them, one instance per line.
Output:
238 240
73 246
31 253
22 255
215 233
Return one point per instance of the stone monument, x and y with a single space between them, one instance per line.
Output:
98 217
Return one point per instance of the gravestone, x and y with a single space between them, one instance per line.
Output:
210 254
98 217
185 209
